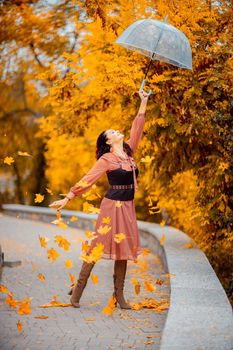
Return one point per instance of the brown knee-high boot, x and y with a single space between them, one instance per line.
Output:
120 267
77 290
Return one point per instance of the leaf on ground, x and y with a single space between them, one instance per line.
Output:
19 326
41 276
24 307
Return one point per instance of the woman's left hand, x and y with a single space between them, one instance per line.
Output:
144 96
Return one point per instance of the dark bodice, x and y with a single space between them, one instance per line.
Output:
121 176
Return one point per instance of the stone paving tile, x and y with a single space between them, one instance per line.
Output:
66 328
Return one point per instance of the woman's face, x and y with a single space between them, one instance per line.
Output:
113 136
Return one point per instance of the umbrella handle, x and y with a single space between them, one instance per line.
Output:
142 86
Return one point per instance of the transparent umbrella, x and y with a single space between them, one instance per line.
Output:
159 41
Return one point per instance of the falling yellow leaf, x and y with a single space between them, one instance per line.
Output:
43 241
91 197
53 254
89 208
108 310
68 263
62 242
72 278
162 239
103 230
58 214
118 204
82 183
19 326
49 191
8 160
25 154
39 198
90 234
42 317
137 285
85 246
41 277
106 220
94 278
95 254
118 237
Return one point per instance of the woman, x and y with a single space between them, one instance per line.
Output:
115 158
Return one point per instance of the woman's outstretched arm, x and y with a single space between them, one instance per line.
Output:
88 180
138 125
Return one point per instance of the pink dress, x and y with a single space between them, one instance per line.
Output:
117 204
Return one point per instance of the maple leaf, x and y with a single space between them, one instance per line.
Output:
39 198
106 220
43 241
103 230
8 160
94 255
53 254
62 242
118 204
68 263
118 237
90 234
85 246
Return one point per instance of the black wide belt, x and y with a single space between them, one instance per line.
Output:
121 187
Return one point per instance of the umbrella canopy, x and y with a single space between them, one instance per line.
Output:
159 41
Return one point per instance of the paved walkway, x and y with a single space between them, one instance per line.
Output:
67 327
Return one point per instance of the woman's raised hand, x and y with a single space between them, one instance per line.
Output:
61 203
144 95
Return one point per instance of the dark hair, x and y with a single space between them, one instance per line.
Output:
102 147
